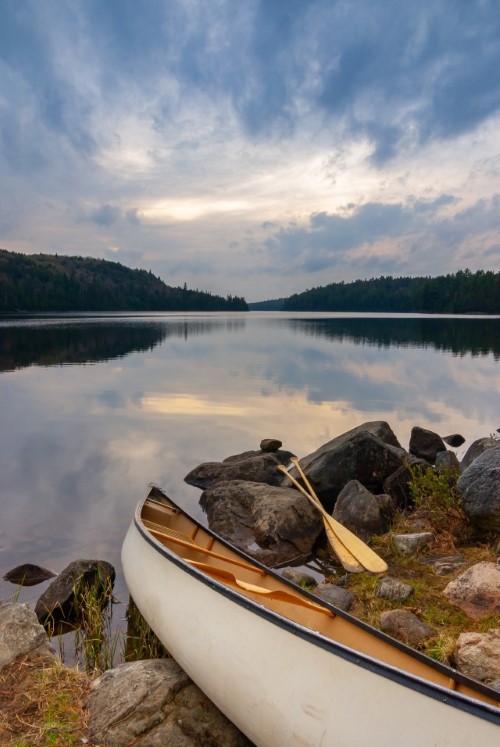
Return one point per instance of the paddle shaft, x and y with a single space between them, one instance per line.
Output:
346 558
359 549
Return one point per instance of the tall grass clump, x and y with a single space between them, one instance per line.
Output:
95 643
141 642
437 500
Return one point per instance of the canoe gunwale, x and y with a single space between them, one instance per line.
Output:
433 690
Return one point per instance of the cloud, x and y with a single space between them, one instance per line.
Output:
365 224
106 215
219 141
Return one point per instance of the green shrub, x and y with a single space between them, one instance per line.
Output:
436 494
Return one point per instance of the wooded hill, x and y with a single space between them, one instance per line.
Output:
48 282
464 292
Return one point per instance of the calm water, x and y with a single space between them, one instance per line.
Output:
94 408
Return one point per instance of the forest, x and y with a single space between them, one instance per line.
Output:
463 292
48 282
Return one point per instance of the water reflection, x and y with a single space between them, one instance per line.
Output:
49 342
79 443
477 336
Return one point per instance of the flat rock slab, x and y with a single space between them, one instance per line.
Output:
477 590
444 564
28 575
21 634
253 466
153 703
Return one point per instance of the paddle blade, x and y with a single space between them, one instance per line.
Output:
347 559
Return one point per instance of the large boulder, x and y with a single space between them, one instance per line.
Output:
368 453
425 444
476 449
153 702
273 525
21 634
362 512
253 466
479 486
58 606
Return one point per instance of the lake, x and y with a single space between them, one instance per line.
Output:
93 407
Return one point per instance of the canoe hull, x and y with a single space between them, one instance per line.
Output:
281 685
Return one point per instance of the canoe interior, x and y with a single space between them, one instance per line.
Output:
183 536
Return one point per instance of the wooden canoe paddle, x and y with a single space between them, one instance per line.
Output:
363 554
346 558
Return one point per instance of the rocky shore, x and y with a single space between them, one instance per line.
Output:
434 519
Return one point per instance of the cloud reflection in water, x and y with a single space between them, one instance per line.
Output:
79 443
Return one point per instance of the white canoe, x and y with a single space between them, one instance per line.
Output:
285 667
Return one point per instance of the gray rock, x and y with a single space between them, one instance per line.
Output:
393 589
252 466
153 703
479 486
368 453
454 440
476 449
335 595
477 590
445 564
425 444
446 461
28 575
360 511
21 634
299 578
56 606
478 655
410 544
406 627
273 525
270 444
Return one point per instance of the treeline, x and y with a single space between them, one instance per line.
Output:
46 282
464 292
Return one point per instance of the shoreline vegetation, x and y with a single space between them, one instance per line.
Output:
52 283
463 292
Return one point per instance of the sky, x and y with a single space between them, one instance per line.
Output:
253 147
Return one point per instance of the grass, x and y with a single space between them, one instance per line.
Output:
95 643
42 704
427 600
